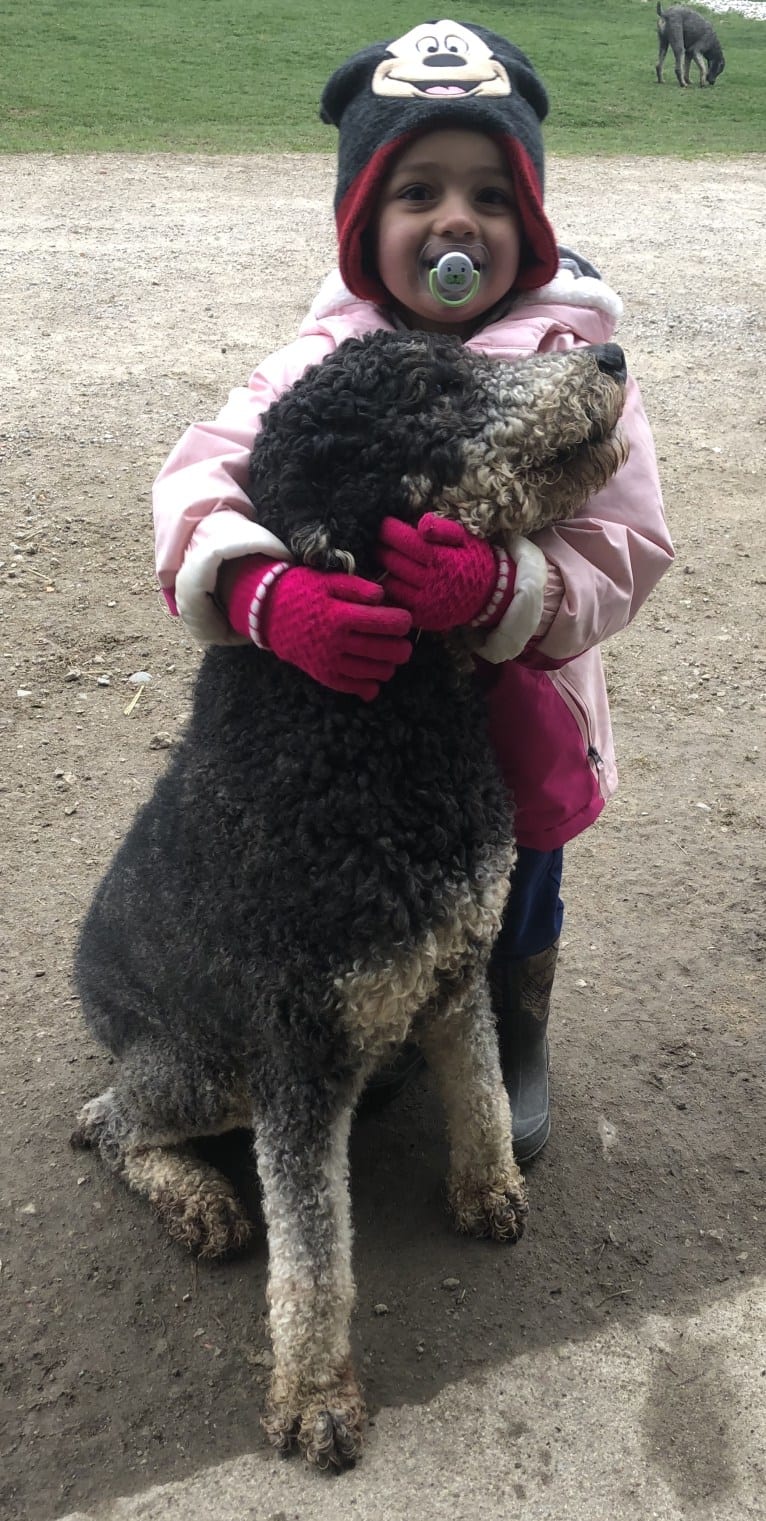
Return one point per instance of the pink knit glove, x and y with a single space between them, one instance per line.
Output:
443 574
331 625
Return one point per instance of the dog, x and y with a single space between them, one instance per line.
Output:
315 877
691 36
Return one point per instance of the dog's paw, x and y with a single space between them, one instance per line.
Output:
331 1438
498 1209
210 1220
92 1122
327 1429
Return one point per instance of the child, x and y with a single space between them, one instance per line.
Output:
440 152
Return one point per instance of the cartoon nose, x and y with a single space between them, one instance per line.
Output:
444 61
610 359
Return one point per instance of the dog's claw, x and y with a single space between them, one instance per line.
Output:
500 1213
328 1435
212 1225
332 1443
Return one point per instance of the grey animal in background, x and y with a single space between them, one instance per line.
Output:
315 878
691 37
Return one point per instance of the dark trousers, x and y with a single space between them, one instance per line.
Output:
534 912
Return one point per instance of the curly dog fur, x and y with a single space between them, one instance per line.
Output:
315 877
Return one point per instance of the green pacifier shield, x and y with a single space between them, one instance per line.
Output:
454 272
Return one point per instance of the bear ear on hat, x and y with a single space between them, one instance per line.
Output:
521 70
347 81
530 86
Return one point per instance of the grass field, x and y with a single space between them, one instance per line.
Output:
217 76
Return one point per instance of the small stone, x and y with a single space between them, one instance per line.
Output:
380 1309
103 681
161 741
139 678
450 1283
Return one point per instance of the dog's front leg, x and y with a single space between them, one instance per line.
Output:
459 1040
314 1398
701 62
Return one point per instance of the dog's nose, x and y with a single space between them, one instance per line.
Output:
610 358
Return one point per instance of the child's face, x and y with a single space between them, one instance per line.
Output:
449 188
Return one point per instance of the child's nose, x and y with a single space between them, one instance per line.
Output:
456 218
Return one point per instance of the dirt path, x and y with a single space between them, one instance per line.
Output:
136 292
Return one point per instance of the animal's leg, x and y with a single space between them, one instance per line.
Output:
674 35
661 60
701 62
459 1040
140 1127
302 1154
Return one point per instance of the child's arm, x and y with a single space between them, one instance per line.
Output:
603 563
203 515
600 565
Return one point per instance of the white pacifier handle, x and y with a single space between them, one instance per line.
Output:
454 280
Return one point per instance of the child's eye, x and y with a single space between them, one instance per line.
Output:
492 195
415 193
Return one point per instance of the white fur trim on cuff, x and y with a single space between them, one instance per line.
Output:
196 581
522 618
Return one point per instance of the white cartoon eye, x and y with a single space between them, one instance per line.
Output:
428 45
455 44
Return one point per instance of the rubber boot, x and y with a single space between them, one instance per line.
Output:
387 1082
521 994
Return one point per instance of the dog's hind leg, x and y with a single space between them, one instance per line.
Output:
459 1040
302 1154
673 36
664 44
141 1127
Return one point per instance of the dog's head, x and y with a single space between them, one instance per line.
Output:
406 423
715 65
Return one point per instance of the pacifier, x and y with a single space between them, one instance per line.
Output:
454 276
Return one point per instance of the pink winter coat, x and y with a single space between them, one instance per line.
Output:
576 584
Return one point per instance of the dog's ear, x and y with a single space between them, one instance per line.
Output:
312 545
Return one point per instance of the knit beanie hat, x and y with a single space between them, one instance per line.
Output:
439 74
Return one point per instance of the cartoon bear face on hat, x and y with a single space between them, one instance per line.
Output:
440 59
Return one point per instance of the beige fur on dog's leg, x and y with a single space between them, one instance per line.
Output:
314 1398
486 1189
196 1204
